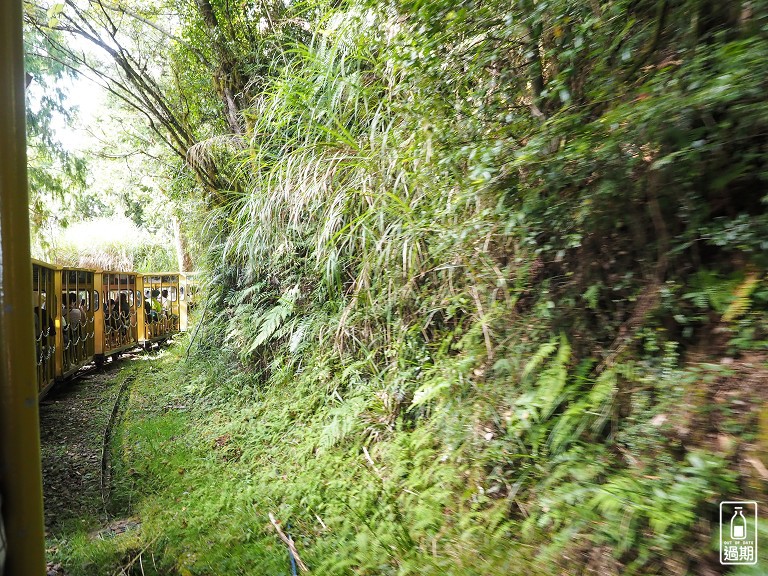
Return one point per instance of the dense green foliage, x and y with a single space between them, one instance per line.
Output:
486 290
515 235
53 172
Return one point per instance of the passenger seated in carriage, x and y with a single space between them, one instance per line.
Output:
71 319
152 308
74 314
125 313
45 327
167 309
112 315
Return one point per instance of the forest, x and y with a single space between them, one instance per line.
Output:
485 283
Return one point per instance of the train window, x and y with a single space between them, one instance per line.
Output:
172 293
138 298
95 300
181 291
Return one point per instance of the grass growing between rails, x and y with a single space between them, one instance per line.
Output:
207 451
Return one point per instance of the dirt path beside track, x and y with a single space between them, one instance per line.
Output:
72 422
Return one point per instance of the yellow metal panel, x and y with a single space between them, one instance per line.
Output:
183 303
20 476
98 314
142 328
57 304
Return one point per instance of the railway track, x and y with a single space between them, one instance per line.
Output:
76 425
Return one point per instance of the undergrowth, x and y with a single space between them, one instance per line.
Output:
491 480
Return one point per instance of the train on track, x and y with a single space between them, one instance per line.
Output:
80 315
83 315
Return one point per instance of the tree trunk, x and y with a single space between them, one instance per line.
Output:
182 250
227 80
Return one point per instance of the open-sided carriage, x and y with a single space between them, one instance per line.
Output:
120 307
83 315
165 306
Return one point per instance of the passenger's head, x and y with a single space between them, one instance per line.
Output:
165 293
123 297
72 298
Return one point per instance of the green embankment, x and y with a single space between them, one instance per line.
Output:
205 452
485 294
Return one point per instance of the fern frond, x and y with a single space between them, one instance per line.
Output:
541 354
741 301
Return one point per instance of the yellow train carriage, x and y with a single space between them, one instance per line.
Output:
47 323
76 338
120 313
82 315
165 309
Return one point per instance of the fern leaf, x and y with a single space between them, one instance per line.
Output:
741 302
541 354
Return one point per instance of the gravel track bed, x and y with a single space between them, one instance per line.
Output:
72 422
